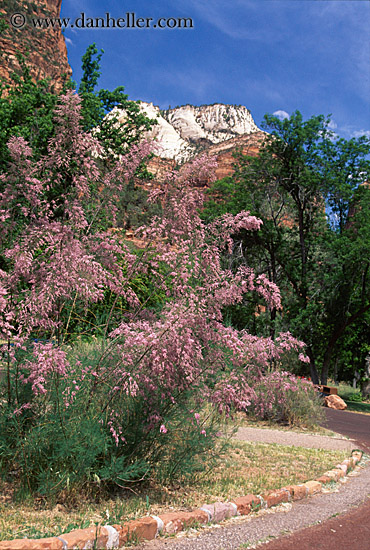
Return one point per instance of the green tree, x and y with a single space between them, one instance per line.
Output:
117 136
348 274
300 175
27 107
26 110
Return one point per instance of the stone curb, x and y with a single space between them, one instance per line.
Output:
147 528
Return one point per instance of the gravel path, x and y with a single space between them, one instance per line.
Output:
295 439
238 533
241 532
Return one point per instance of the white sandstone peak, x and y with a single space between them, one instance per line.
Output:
184 131
215 123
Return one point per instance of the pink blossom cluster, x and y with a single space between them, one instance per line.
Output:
272 391
58 255
55 249
48 361
6 313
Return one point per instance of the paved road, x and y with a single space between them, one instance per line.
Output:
346 531
335 521
355 426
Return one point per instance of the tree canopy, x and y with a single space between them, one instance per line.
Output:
310 190
27 110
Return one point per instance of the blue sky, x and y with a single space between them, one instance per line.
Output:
269 55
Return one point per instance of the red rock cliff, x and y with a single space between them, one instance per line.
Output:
224 152
44 49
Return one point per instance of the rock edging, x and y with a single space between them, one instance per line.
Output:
147 528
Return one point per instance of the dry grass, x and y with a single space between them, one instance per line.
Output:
244 468
250 422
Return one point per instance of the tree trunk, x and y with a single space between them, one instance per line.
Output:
313 369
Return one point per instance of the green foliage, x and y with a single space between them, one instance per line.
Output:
348 393
358 407
308 190
116 136
345 167
98 319
27 110
134 210
3 26
61 449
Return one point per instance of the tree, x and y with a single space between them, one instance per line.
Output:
26 110
115 136
299 173
348 301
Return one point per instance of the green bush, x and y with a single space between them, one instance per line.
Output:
59 448
348 393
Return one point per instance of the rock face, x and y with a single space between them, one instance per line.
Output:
171 144
212 123
335 402
248 144
184 132
44 49
224 153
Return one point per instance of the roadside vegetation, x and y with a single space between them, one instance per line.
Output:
353 397
244 468
122 364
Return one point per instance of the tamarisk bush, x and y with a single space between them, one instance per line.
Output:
147 398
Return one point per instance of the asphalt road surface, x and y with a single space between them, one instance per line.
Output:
353 425
350 530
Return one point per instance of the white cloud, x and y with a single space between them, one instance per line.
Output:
68 41
332 125
281 114
350 132
359 133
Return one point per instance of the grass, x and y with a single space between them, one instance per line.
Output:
358 407
250 422
353 398
244 468
347 392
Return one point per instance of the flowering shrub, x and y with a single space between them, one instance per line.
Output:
281 396
111 410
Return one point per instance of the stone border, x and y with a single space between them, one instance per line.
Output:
147 528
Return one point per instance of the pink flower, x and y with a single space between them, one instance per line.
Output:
163 429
